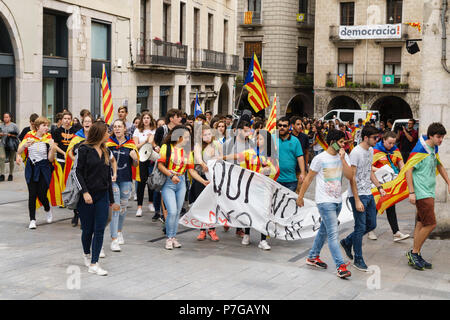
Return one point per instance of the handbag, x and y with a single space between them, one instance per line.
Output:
71 195
157 179
11 144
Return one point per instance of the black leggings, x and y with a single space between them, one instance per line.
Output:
247 231
143 172
37 190
392 218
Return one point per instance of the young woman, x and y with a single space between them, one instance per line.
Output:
144 134
209 149
317 132
160 123
39 151
8 129
135 183
176 158
261 159
94 175
125 152
221 128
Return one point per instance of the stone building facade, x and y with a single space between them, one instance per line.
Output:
52 53
281 33
365 61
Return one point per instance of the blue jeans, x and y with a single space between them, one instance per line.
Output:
290 185
93 219
173 195
364 223
121 191
329 213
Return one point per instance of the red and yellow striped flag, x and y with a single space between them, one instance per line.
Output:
108 108
272 122
369 116
248 17
254 83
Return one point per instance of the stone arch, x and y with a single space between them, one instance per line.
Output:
224 94
344 101
300 105
392 107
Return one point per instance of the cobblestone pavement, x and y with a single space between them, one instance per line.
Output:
43 263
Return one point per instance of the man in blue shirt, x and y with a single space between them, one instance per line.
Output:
290 155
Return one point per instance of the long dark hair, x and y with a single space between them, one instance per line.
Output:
269 150
96 136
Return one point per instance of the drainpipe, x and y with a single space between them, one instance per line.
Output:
444 36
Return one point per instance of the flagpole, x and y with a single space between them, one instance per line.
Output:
240 96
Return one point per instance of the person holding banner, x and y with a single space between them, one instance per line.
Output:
421 179
387 153
38 152
209 149
328 168
176 158
361 197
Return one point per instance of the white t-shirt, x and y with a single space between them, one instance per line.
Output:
329 177
143 136
362 159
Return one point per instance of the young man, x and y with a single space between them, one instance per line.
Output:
173 118
208 115
407 138
58 123
421 181
25 130
328 168
361 198
62 137
297 131
291 154
123 113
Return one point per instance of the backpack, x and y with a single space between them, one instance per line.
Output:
71 195
157 179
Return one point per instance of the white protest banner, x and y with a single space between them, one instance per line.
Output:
376 31
238 197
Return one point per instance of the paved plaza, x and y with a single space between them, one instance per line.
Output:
47 263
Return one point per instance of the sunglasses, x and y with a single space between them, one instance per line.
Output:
283 126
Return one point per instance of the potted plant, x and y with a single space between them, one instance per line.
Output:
329 83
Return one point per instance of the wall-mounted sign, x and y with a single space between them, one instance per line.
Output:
377 31
300 17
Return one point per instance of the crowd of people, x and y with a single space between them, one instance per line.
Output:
113 164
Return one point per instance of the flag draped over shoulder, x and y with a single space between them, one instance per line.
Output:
272 122
382 157
55 189
108 108
79 137
321 141
254 83
129 143
397 189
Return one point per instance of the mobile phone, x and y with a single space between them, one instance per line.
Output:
336 147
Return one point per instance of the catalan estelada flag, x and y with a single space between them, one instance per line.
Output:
321 141
272 122
341 80
397 189
108 108
254 83
369 116
79 137
114 143
55 188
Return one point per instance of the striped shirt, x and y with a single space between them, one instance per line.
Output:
37 152
179 162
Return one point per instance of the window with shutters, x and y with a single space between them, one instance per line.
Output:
345 63
394 11
254 5
303 6
393 63
210 31
347 13
251 48
302 59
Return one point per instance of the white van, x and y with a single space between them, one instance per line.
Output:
399 123
344 115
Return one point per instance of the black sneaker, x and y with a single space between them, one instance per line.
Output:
316 262
10 177
155 217
75 219
426 264
414 261
347 249
2 178
360 265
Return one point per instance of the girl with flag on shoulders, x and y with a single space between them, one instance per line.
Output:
126 154
38 153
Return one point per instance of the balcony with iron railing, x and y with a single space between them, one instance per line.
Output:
250 19
369 82
160 53
305 21
204 59
303 80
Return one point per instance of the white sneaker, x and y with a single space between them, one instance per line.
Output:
87 259
246 240
49 216
102 253
264 245
400 236
135 197
115 246
97 270
176 244
139 212
151 207
169 244
32 224
372 235
120 238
